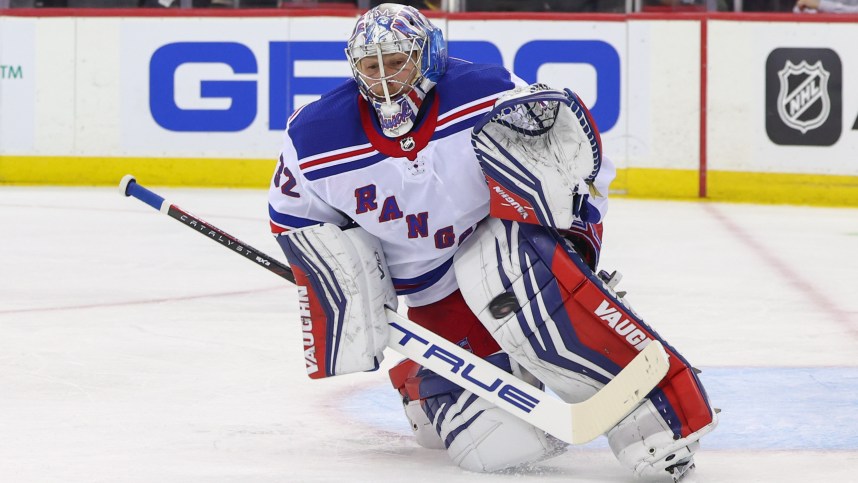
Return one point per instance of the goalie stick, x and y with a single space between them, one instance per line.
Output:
575 423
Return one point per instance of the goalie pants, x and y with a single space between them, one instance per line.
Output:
451 318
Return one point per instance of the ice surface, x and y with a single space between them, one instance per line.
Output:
134 350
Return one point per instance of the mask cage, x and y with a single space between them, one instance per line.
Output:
412 47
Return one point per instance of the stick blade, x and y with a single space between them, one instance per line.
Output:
595 416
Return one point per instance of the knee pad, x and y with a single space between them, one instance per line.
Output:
478 435
565 325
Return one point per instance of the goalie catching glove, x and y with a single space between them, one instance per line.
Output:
540 151
343 287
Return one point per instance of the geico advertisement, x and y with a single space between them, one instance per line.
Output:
17 85
227 87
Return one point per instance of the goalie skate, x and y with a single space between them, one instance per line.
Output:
681 470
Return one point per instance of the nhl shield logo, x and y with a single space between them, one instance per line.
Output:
804 96
407 143
803 101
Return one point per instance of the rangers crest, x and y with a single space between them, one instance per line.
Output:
803 101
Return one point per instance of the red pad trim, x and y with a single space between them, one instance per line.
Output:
277 229
566 272
506 205
607 328
403 376
313 325
694 408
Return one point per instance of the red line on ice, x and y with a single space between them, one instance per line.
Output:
818 298
136 302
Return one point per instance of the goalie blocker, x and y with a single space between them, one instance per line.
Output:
568 328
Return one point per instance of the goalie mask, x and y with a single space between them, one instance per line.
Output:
396 56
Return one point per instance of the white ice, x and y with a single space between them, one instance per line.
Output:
132 349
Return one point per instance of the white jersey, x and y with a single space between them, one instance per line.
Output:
421 194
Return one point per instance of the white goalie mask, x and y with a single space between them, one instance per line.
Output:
395 85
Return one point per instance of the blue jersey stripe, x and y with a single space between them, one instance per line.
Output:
344 167
289 220
405 286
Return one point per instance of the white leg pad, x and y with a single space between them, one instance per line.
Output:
478 435
423 429
490 439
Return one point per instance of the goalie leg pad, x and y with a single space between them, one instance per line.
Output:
478 435
343 287
563 324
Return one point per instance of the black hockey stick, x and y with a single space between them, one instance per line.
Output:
575 423
130 187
